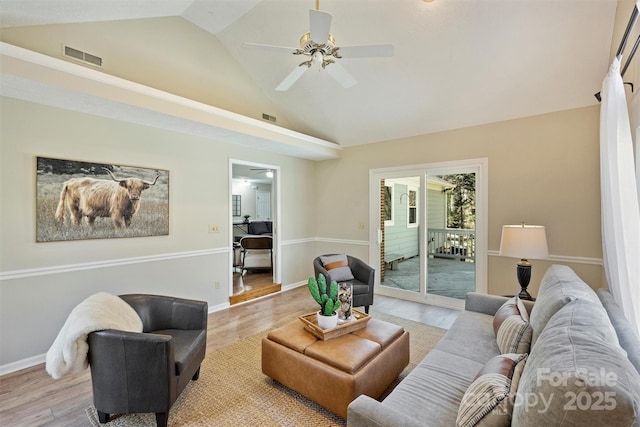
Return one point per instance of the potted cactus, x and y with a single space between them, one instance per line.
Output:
327 299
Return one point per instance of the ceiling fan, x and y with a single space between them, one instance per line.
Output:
320 46
267 172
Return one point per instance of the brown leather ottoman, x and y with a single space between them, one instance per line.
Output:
333 373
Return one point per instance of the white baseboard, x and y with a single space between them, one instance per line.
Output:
294 285
22 364
41 358
219 307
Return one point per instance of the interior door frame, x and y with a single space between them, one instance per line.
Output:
276 206
479 167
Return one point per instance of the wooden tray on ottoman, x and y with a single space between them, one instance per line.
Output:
311 324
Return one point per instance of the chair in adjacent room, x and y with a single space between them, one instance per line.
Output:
257 252
345 268
146 372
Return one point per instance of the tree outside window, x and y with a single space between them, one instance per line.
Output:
461 200
388 205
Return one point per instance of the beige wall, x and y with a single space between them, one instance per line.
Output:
41 282
542 170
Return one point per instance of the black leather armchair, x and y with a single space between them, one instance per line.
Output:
146 372
362 285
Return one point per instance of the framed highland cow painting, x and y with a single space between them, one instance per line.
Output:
77 200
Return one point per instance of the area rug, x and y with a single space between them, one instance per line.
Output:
232 390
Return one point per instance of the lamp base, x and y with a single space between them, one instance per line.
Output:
524 275
525 295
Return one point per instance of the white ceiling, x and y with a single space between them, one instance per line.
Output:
457 63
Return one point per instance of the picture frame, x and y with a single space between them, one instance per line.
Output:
79 200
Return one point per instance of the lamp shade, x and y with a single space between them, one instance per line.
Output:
524 242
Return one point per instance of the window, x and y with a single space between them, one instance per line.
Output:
235 205
412 211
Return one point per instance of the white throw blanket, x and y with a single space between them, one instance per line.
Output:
98 312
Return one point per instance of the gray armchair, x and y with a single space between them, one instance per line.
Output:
362 285
146 372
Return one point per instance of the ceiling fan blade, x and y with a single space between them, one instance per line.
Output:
341 75
292 78
369 51
319 24
282 49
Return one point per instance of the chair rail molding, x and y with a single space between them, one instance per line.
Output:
44 271
564 259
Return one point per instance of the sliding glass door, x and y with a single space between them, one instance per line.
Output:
400 245
429 242
451 235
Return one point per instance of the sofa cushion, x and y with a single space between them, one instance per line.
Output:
577 374
471 336
559 286
489 400
434 389
512 328
338 267
627 336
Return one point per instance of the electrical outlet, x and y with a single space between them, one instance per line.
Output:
214 228
217 285
361 225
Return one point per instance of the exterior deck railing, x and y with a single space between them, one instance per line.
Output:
452 243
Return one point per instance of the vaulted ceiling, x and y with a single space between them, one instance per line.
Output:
457 63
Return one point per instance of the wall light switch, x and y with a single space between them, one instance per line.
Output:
361 225
214 228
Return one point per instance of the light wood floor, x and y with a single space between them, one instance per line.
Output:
31 398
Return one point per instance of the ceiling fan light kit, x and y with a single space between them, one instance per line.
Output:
320 46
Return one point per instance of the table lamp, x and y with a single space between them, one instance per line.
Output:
524 242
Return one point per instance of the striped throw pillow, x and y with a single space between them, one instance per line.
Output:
489 400
338 267
512 328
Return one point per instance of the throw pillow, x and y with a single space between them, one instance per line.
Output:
512 328
338 267
489 400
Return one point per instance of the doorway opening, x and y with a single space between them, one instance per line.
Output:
430 238
254 217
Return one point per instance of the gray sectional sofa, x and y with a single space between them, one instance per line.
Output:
582 367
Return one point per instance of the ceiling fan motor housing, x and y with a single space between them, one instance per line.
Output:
309 47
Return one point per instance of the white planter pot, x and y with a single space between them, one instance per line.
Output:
327 322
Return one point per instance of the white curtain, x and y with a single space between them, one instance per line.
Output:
634 114
620 208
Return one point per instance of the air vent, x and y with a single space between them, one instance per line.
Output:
268 117
79 55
